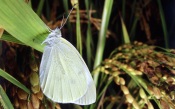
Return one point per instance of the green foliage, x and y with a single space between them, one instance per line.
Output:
163 23
4 100
13 80
19 20
102 35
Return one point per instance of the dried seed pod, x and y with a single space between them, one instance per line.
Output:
165 77
155 80
122 81
42 106
118 55
107 60
119 48
170 80
96 70
102 69
13 91
24 78
40 95
124 89
35 101
116 73
157 92
139 43
150 106
33 66
22 104
117 79
138 72
142 93
135 42
131 71
114 69
106 72
57 106
135 105
22 95
107 66
129 98
164 104
34 79
124 66
29 105
16 102
173 71
35 89
172 95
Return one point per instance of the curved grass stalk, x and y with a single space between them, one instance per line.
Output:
164 27
102 36
4 100
78 31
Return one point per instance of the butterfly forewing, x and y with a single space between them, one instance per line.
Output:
63 75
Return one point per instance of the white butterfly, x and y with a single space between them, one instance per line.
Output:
64 76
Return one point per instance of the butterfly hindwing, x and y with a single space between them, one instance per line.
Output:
90 96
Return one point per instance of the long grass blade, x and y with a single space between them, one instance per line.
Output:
19 20
13 81
10 38
102 35
4 100
89 36
40 7
78 31
164 27
125 32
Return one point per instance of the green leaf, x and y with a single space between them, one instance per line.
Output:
89 42
164 26
10 38
13 81
125 32
40 7
19 20
78 31
4 100
102 36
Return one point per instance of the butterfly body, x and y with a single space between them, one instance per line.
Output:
64 76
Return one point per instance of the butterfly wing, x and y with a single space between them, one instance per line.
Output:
90 96
64 77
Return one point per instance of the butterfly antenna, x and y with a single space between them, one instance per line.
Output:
62 21
62 24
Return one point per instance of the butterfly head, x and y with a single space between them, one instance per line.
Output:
56 32
53 37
